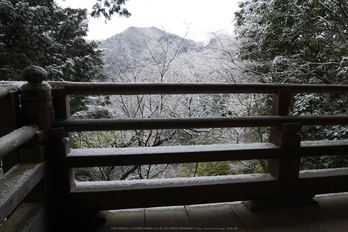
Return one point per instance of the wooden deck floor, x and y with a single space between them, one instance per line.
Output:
331 214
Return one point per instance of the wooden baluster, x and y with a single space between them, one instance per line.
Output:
62 107
61 142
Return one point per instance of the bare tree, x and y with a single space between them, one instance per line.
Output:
166 59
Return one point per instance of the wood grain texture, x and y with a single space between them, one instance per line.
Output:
337 203
30 217
327 216
267 220
214 217
131 220
317 218
167 219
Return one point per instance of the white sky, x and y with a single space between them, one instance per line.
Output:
202 16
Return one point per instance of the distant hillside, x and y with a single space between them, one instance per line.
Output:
129 44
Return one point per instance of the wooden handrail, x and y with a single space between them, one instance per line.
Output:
178 123
16 139
110 88
17 183
199 153
24 104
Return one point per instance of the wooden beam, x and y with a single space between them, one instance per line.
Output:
17 183
200 153
170 123
157 193
16 138
323 181
178 123
37 140
149 193
164 155
110 88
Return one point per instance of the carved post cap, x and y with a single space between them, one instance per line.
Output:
36 98
34 74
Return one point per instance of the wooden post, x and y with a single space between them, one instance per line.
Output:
36 97
9 121
37 109
284 169
62 107
60 143
65 211
62 178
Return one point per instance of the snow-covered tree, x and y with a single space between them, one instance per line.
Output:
295 41
44 34
301 42
107 8
161 58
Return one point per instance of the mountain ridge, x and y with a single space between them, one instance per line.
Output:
130 43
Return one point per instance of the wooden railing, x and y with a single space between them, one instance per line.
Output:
23 169
283 183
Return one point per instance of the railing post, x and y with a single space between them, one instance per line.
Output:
61 142
37 109
67 214
36 97
284 169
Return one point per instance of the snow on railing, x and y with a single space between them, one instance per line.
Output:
16 138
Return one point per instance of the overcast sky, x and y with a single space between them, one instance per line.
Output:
202 16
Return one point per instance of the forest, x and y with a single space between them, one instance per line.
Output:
274 41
